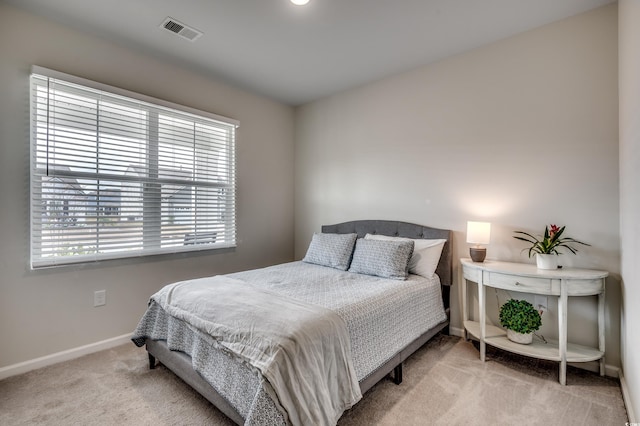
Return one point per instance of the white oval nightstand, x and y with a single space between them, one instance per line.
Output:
526 278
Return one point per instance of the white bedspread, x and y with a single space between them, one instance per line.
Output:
302 349
382 317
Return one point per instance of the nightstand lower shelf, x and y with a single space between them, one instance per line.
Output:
497 337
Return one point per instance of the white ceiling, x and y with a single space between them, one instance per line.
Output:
296 54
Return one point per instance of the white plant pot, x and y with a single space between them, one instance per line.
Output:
524 339
546 261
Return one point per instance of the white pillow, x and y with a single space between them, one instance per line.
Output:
426 253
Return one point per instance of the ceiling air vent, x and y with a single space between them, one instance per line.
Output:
181 29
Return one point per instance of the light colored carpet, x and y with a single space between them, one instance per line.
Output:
444 384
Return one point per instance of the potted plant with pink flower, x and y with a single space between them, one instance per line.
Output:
546 249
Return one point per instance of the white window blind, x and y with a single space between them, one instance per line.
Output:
117 174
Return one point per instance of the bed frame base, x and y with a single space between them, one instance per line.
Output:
397 374
180 364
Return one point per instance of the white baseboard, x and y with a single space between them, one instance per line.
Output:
594 366
627 399
455 331
34 364
612 371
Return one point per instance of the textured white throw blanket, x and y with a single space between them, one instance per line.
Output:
302 350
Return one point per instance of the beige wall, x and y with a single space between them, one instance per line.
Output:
48 311
629 37
521 133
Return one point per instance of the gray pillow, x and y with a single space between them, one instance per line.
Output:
382 258
333 250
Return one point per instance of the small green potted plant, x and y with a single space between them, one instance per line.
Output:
520 319
546 248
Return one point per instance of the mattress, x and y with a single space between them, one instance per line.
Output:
382 317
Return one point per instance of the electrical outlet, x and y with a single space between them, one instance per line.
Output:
540 303
100 298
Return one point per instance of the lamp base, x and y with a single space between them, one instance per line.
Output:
478 254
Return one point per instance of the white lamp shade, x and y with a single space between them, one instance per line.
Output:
478 232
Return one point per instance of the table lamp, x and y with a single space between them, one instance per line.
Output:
478 233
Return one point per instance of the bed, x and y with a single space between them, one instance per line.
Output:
386 320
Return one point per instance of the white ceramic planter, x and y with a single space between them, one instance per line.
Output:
546 261
524 339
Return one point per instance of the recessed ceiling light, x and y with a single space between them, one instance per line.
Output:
300 2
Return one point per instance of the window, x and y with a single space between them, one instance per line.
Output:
116 174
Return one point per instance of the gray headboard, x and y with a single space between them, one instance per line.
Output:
402 229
